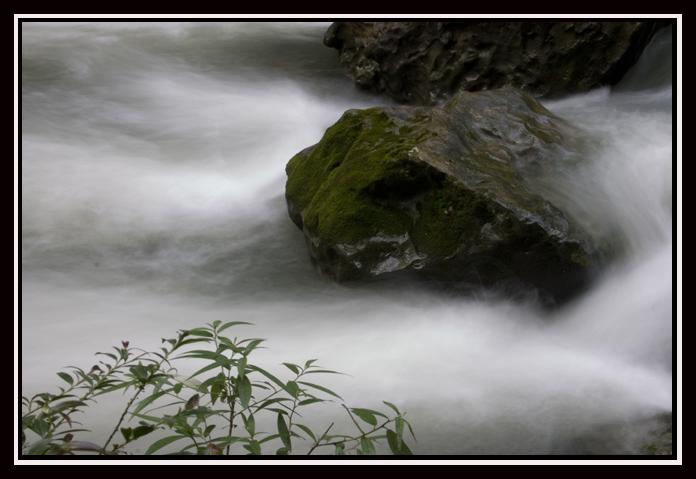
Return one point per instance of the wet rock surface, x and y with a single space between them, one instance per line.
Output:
451 191
420 62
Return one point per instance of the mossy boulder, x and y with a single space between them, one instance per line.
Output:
419 62
451 190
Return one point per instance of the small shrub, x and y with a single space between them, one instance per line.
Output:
209 411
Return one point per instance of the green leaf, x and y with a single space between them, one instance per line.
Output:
320 371
67 405
292 367
66 377
141 431
177 388
204 332
219 380
284 433
74 430
254 447
283 451
191 341
394 442
215 392
114 388
145 402
110 355
241 366
199 354
397 446
410 429
309 363
340 449
399 428
309 401
251 346
279 411
40 427
227 342
85 377
371 411
200 412
269 438
320 388
366 415
152 418
188 382
368 448
26 421
307 431
216 323
157 445
127 433
208 430
272 401
244 391
219 362
226 441
251 425
139 371
40 447
393 407
230 324
269 376
293 388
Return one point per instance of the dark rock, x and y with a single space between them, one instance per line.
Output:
647 435
450 189
420 62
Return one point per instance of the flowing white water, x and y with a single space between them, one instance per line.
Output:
153 179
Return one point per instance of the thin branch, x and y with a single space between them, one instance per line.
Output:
130 403
364 434
319 440
353 419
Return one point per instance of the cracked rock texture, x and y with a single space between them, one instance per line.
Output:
421 62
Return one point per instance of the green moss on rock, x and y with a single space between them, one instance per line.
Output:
390 188
331 185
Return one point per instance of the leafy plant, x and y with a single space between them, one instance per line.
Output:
207 412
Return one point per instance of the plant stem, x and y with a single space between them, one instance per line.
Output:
353 419
364 434
122 416
319 440
229 433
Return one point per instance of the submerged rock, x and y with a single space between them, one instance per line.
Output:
451 190
418 62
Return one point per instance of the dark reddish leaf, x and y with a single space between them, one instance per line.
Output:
66 417
193 402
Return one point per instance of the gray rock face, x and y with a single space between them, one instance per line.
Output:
419 62
450 190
